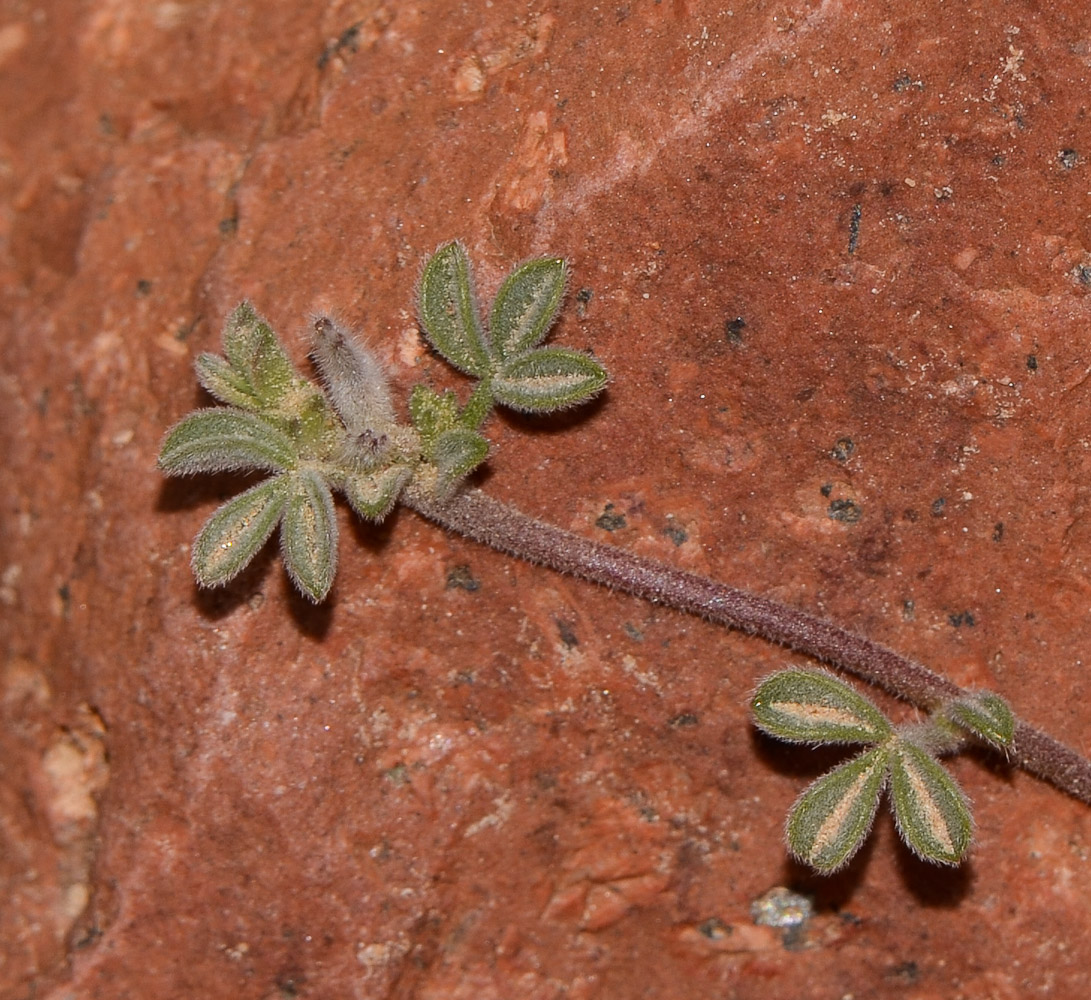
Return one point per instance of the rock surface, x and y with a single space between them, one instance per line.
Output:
837 258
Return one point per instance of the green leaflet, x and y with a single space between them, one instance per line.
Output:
373 494
432 414
255 354
456 454
548 378
448 311
526 306
830 820
812 706
225 383
930 810
235 532
984 714
308 535
224 439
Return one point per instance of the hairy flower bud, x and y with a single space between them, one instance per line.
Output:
355 383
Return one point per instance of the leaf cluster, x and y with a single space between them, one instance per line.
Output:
832 817
506 357
344 436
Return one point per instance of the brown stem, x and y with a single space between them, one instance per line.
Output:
477 516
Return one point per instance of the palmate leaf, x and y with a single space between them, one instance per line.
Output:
237 531
225 439
813 706
930 811
308 535
526 305
547 379
448 311
830 820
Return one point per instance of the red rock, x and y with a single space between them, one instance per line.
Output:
418 791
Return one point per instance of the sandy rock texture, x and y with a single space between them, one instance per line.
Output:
837 258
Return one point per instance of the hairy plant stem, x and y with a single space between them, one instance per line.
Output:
475 515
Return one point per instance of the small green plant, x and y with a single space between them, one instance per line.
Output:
830 820
346 438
